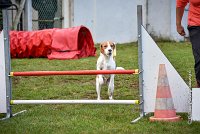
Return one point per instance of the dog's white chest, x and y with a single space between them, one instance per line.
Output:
105 63
109 65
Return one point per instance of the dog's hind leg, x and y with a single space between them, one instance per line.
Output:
111 87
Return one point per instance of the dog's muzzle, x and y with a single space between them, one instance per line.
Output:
110 52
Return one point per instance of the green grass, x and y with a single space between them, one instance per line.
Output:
90 119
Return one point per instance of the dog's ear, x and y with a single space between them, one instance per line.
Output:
114 49
101 48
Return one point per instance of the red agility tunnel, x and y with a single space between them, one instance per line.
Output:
68 43
78 72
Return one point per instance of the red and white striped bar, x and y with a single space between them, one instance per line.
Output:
76 72
128 102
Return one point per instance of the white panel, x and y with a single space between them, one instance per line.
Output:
152 57
114 20
117 20
2 76
84 14
196 104
158 18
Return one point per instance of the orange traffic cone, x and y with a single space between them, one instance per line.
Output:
164 106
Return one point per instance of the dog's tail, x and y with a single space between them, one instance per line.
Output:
120 68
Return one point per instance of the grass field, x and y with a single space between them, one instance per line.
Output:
90 119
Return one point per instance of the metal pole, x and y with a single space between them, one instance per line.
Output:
74 102
28 15
139 22
7 61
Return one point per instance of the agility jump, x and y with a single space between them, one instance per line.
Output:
77 72
6 97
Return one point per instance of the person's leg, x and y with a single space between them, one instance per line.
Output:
194 33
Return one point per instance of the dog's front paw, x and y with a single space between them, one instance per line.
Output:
110 97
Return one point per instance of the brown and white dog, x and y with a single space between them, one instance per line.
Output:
106 61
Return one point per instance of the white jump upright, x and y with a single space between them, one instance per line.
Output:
3 108
185 100
5 68
149 58
152 56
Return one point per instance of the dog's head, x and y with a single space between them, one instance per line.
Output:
107 48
